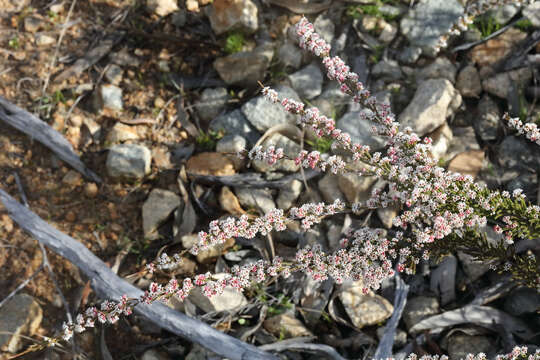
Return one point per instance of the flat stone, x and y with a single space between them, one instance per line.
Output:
129 161
325 27
226 15
263 114
156 209
442 138
258 199
230 301
232 144
290 149
114 74
112 97
308 81
229 202
515 152
290 55
364 309
243 68
235 123
211 103
355 187
410 54
329 188
289 194
489 117
441 68
501 84
463 139
44 39
522 301
496 49
32 24
210 163
400 336
20 315
468 82
419 308
387 69
162 7
433 102
286 325
460 345
468 163
122 132
360 130
428 20
532 13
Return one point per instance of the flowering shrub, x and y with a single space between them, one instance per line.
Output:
441 211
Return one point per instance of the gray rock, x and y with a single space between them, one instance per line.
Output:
263 114
121 132
419 308
427 21
360 130
473 269
290 148
410 54
114 74
211 103
387 69
290 55
308 81
241 14
286 325
128 161
232 144
235 123
162 7
460 345
489 117
44 39
332 101
500 84
125 58
532 13
440 68
355 187
230 301
515 152
433 102
364 309
244 68
328 186
388 32
502 14
325 27
522 301
468 82
32 24
19 316
154 355
442 138
463 139
289 194
179 18
156 209
258 199
112 97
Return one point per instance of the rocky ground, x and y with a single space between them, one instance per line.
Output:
152 93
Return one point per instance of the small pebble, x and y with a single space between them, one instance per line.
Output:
91 190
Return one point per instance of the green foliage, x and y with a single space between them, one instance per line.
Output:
206 141
356 11
524 25
377 54
14 43
322 145
486 25
234 42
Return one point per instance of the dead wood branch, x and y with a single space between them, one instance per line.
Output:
109 286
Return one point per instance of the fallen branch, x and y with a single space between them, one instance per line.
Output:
109 286
37 129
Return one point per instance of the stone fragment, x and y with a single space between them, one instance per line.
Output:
355 187
441 68
235 123
532 13
496 49
226 15
32 24
501 84
286 325
211 103
122 132
467 163
468 82
489 117
229 202
419 308
244 68
518 152
258 199
44 39
307 82
230 300
441 138
232 144
325 27
72 178
112 97
129 161
387 69
114 74
522 301
364 309
433 102
210 163
329 188
19 316
400 337
290 55
263 114
156 209
461 345
154 355
162 7
289 194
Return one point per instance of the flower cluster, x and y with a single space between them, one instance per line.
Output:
518 353
530 130
271 155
